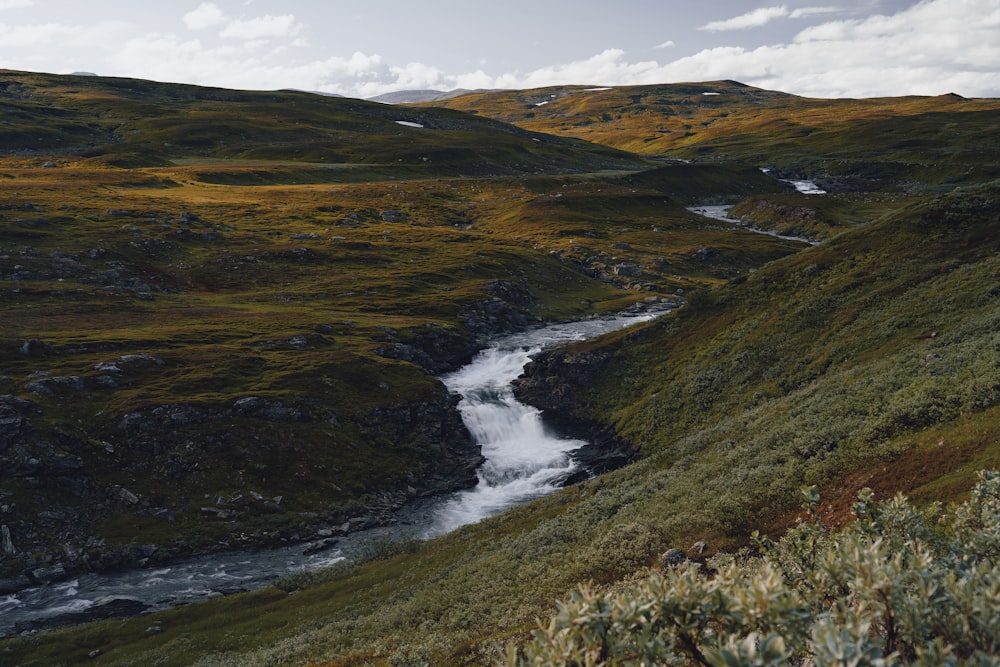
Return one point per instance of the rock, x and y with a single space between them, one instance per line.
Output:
8 543
552 382
13 427
512 293
672 558
261 408
129 362
319 546
698 548
392 216
154 630
124 495
49 575
56 384
36 348
14 584
627 270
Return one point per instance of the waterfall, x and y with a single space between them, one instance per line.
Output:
523 462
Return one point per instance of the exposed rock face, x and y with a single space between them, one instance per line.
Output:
441 349
180 444
14 424
495 316
553 381
436 349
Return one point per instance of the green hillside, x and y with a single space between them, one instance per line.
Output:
187 339
130 122
870 359
889 144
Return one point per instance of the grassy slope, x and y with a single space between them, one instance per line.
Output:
869 360
280 279
883 143
129 122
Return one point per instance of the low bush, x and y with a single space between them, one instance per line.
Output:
897 586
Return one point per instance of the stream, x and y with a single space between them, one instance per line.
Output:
524 461
722 212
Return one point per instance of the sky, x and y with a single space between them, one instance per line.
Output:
814 48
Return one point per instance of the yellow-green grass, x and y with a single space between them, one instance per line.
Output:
868 360
216 280
901 143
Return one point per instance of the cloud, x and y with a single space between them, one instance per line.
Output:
753 19
267 27
764 15
206 15
28 35
665 45
15 4
929 48
804 12
417 76
263 27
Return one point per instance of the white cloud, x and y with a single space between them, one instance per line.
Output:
15 4
931 47
206 15
665 45
28 35
753 19
263 27
804 12
764 15
417 76
472 81
23 36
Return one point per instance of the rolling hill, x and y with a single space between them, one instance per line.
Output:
276 322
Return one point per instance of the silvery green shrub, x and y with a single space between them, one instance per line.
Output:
899 585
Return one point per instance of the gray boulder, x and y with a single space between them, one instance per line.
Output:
672 558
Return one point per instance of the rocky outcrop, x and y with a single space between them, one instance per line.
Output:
554 381
439 349
182 445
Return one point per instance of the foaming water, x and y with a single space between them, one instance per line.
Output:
524 461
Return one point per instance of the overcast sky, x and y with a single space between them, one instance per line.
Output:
846 48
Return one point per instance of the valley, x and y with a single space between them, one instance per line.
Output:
224 318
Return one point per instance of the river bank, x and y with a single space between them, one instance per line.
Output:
523 461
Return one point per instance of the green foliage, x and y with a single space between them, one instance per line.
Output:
896 586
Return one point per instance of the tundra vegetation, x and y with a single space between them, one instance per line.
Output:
223 313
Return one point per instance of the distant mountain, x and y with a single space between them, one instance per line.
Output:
311 92
414 96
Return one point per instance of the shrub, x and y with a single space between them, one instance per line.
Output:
897 586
